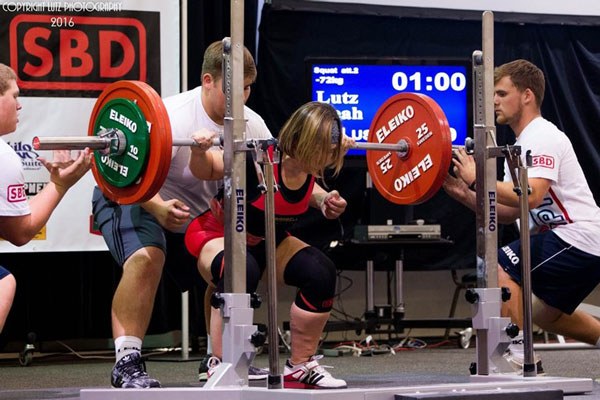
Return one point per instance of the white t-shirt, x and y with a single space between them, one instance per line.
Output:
187 115
13 200
569 207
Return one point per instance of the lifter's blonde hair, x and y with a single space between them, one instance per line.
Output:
307 137
6 75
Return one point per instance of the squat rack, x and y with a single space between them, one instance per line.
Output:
231 380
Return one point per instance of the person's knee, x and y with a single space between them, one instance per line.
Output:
207 257
13 283
315 276
503 276
146 264
253 272
507 281
9 287
542 313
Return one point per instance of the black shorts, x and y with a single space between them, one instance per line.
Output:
128 228
561 275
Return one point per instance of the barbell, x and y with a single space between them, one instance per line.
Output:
409 145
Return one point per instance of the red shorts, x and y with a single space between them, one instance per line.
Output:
201 230
207 227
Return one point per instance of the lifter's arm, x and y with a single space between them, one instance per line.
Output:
206 162
64 173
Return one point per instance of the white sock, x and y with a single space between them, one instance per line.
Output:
209 344
125 345
598 342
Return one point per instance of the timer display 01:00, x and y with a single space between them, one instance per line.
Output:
440 82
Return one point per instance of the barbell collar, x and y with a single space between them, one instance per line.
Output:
117 141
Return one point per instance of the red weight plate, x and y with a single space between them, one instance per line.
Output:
417 176
161 140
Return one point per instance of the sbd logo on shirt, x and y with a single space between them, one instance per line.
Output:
81 55
543 161
16 193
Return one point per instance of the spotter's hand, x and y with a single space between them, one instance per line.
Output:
173 214
66 171
464 166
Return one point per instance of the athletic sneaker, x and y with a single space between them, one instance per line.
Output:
130 372
203 368
310 375
257 374
209 363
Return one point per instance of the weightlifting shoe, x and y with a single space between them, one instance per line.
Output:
210 363
130 372
310 375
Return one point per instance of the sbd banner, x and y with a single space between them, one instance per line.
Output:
65 54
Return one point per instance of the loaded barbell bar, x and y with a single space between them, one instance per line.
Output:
113 141
409 145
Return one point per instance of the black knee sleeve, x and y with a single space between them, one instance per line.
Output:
315 276
253 272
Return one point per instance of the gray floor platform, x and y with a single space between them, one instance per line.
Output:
376 377
566 385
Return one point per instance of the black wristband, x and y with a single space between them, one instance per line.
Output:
472 185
